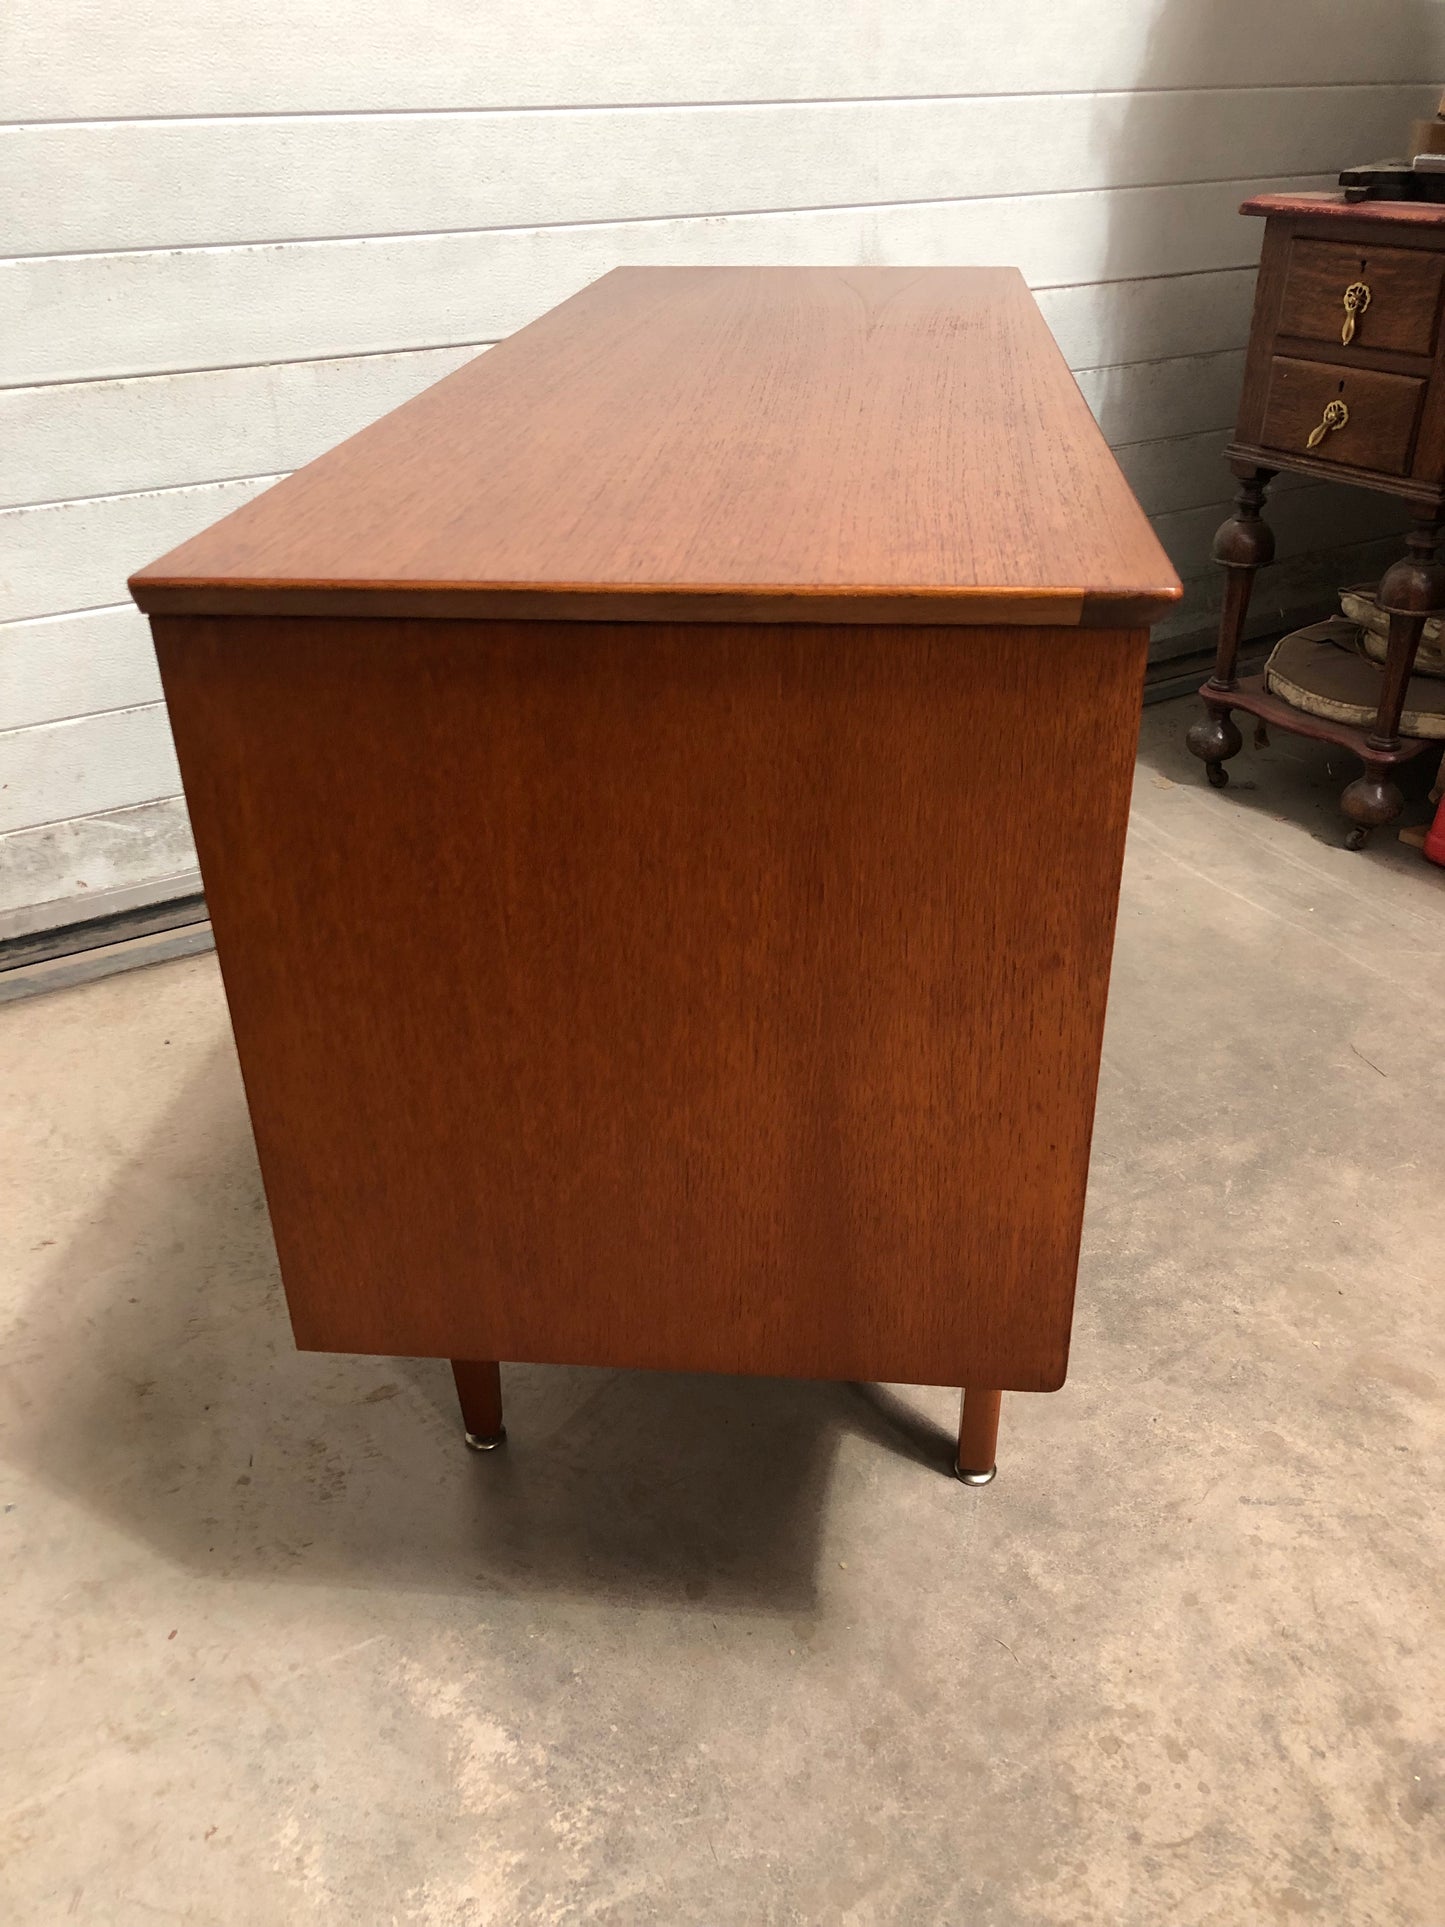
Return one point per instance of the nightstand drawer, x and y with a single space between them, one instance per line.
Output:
1353 416
1394 296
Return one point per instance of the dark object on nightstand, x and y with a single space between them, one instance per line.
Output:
1391 181
1344 382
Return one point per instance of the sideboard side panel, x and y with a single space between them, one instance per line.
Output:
704 997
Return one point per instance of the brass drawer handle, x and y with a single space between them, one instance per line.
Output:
1357 299
1335 416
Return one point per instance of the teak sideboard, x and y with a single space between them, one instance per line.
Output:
637 790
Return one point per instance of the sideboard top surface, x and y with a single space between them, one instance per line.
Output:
785 444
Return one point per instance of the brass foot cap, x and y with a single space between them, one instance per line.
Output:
486 1445
974 1478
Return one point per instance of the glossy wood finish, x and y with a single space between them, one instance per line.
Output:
780 444
1379 433
705 997
1391 376
1404 303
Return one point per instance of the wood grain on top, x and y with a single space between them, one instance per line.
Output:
829 444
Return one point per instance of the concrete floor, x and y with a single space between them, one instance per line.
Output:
276 1649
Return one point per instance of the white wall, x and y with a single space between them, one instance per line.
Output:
234 233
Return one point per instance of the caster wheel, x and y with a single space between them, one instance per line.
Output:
1357 838
1218 775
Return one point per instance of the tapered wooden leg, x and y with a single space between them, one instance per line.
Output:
479 1387
977 1436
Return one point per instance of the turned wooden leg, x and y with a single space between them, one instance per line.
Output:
1214 739
479 1387
1370 802
977 1436
1411 590
1242 545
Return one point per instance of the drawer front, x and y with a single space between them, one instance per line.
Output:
1400 309
1381 413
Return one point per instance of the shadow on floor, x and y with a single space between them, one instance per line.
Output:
164 1395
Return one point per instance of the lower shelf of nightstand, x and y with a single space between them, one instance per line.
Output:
1251 695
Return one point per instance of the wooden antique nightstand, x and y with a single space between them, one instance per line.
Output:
1344 380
